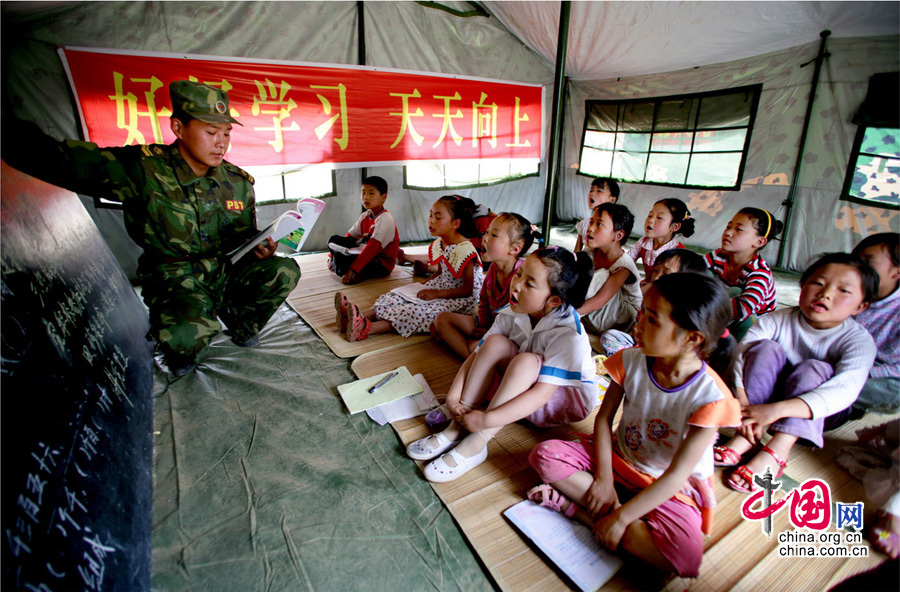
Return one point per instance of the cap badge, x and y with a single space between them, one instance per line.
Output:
220 106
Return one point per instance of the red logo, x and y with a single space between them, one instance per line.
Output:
810 505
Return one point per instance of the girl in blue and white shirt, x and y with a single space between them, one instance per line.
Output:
540 353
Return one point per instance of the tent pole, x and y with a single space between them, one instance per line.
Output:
788 203
556 125
361 53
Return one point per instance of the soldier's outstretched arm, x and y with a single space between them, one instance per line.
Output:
79 166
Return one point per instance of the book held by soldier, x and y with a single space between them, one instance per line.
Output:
291 228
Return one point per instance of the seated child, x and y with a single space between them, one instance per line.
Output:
375 231
649 489
746 274
614 295
882 320
602 190
455 287
799 369
670 261
482 218
667 218
507 237
538 350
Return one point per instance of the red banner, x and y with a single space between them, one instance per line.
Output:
296 114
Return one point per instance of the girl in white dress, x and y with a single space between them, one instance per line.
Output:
454 287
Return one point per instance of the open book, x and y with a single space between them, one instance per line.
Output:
410 292
346 250
567 543
291 228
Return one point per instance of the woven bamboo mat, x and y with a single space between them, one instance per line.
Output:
313 300
737 555
316 278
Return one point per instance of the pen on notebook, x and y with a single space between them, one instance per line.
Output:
382 382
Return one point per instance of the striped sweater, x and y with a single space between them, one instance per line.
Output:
756 283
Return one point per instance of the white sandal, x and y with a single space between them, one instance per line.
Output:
438 471
422 450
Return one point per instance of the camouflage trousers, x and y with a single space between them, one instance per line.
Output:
185 304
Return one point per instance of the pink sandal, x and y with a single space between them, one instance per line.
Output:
357 326
551 498
729 457
341 302
747 475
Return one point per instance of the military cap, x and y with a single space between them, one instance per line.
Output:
200 101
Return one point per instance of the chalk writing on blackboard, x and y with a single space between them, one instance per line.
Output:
77 414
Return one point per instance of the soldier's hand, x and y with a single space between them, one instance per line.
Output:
265 249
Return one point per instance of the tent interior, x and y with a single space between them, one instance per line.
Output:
262 480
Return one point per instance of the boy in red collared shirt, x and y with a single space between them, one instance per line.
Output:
370 247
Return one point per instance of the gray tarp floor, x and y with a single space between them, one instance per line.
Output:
263 481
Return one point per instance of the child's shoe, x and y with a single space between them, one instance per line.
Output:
438 471
549 497
747 482
726 457
421 449
357 325
340 307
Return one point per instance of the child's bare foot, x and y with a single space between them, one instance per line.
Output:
885 535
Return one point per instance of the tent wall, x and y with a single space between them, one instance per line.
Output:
820 221
407 35
402 35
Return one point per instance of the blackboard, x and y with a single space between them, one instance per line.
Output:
75 400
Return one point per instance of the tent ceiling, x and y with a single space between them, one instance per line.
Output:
617 39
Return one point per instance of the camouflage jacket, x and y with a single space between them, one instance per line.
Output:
181 220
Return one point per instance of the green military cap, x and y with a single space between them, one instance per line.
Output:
200 101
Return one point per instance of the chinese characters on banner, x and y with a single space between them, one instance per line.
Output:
301 114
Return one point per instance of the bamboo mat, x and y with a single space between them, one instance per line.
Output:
313 300
737 555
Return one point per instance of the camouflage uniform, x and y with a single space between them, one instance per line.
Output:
185 225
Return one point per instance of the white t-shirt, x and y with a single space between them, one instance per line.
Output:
655 420
581 228
848 348
631 289
560 339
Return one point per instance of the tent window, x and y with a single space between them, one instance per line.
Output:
276 185
873 172
466 173
698 140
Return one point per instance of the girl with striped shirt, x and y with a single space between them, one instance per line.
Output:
738 264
